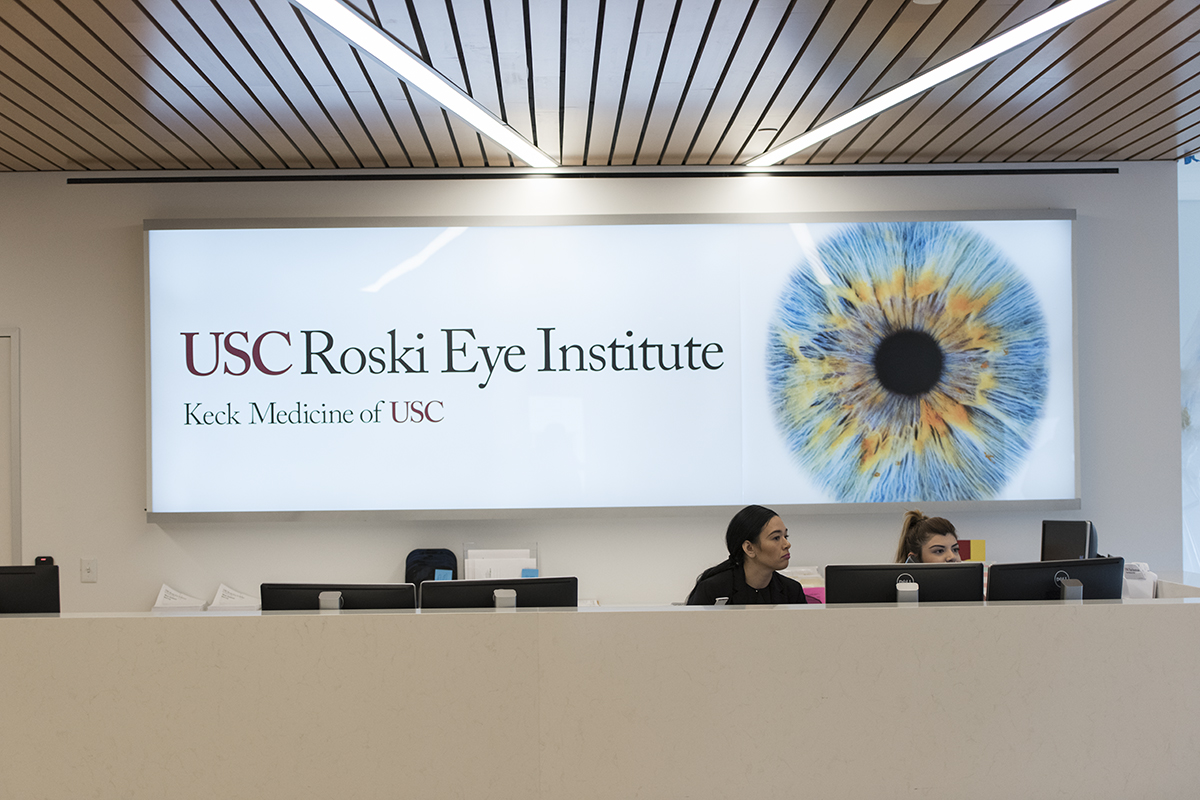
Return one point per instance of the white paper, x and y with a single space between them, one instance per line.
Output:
232 598
174 599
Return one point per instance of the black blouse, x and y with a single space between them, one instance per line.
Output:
731 583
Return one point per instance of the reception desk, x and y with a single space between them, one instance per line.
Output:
1091 700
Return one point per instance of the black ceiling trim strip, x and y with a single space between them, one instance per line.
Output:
453 138
995 86
587 135
354 175
491 27
633 38
528 28
562 80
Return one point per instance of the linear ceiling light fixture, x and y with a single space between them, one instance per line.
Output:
369 38
1046 21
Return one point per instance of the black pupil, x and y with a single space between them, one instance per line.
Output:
908 362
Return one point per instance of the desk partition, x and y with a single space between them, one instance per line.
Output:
1090 700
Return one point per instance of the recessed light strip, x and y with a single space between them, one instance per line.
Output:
1042 23
370 39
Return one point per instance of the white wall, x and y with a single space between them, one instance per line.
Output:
71 268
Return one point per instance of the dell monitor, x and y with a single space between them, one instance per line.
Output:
530 593
29 590
946 582
355 596
1068 538
1102 579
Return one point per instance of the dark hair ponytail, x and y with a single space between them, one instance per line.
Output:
745 526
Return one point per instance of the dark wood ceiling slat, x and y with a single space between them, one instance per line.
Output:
241 60
913 129
771 63
426 130
11 160
112 24
59 111
72 79
873 56
759 26
544 60
1172 133
804 25
609 77
255 84
673 147
56 29
1143 121
1116 42
657 34
1112 98
902 66
479 69
75 140
579 48
998 112
37 145
941 38
298 71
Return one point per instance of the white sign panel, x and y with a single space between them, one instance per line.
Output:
594 366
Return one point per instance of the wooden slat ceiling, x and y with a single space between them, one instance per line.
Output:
256 85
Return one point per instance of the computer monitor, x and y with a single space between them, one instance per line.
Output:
1068 538
531 593
946 582
305 596
29 590
1102 579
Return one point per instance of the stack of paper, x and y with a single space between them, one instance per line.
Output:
499 564
171 600
227 599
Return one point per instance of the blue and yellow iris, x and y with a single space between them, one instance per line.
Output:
917 372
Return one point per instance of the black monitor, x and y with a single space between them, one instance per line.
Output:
946 582
531 593
1102 578
29 590
1068 538
305 596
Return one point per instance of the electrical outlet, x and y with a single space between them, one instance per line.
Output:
88 570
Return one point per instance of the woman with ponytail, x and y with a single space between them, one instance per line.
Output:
926 540
757 541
